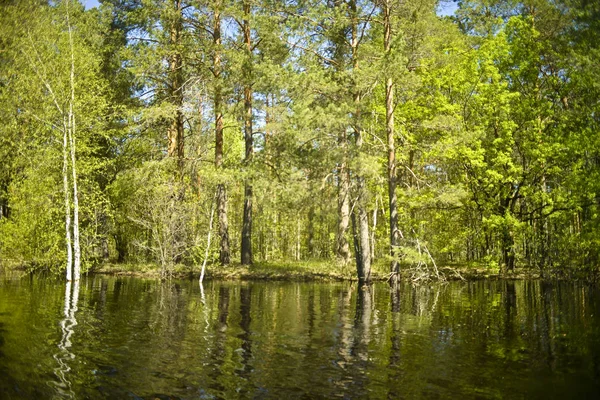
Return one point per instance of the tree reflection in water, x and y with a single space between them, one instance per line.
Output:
64 356
300 340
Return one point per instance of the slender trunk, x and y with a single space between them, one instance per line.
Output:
247 222
544 234
298 239
210 225
76 245
268 121
72 131
311 231
374 230
224 256
391 167
247 225
175 130
67 204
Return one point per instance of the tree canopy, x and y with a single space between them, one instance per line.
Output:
353 131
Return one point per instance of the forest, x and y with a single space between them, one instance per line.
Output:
358 133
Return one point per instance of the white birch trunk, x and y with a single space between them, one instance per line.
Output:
373 230
72 130
76 245
210 226
67 206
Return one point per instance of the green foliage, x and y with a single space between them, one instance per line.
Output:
31 236
495 121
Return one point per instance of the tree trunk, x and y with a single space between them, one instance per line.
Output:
508 250
247 222
67 204
247 225
224 255
72 130
3 208
342 246
361 244
210 226
76 245
175 130
374 230
391 167
298 240
311 232
364 266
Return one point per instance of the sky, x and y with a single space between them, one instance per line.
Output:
90 4
447 7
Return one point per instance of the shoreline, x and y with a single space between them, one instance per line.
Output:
305 272
317 271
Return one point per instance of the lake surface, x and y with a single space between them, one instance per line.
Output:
127 338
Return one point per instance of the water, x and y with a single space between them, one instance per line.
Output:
132 338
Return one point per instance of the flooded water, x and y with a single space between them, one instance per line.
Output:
133 338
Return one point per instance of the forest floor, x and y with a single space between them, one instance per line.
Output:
315 271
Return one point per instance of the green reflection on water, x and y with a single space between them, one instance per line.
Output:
133 338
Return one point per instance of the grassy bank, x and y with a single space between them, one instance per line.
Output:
293 271
313 271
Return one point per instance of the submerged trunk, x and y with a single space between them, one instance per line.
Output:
247 222
224 254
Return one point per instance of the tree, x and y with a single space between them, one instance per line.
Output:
248 132
51 110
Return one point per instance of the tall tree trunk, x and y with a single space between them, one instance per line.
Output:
67 203
247 222
175 130
364 266
72 131
342 248
76 245
224 254
391 167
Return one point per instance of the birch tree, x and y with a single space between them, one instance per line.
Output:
55 75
